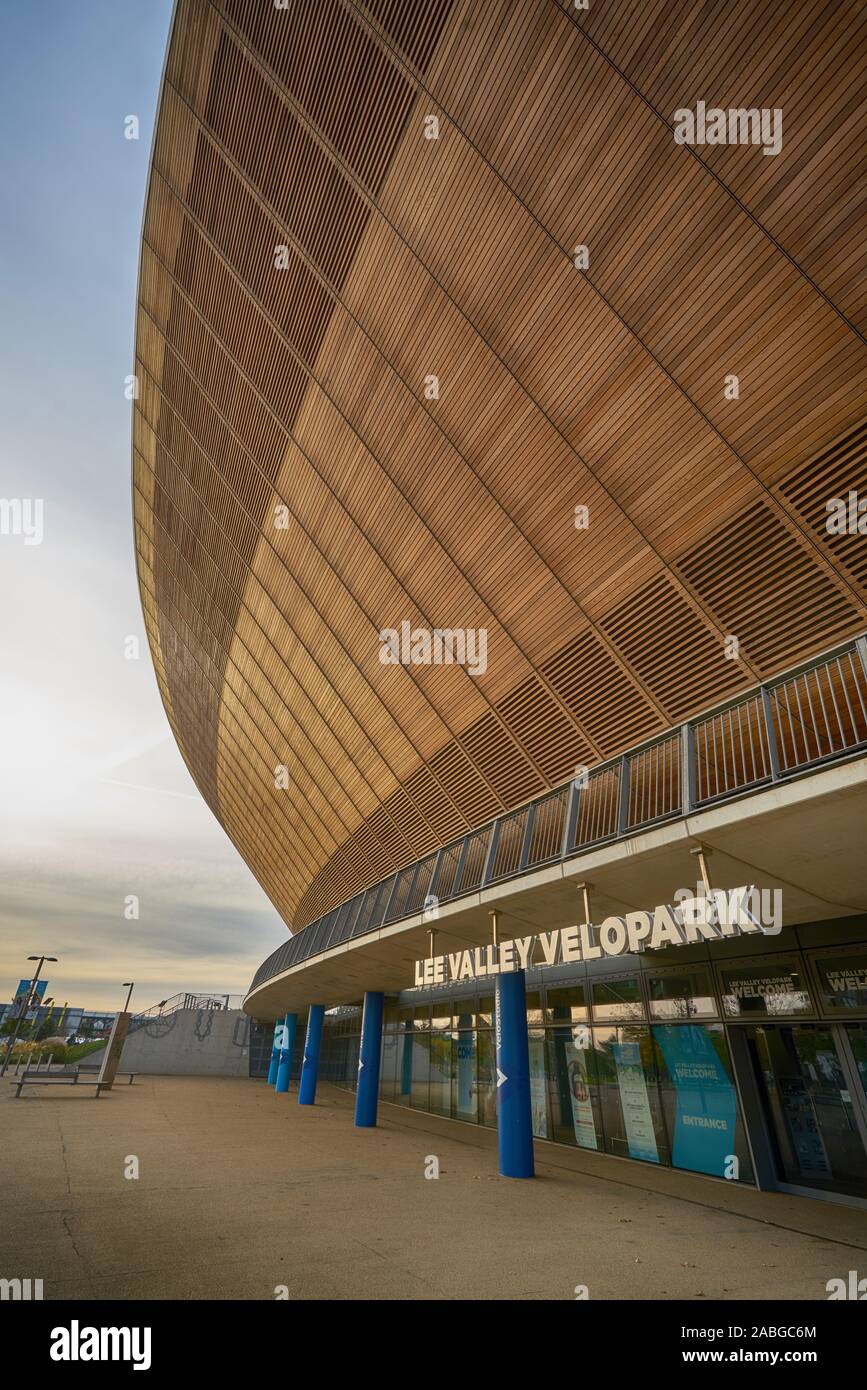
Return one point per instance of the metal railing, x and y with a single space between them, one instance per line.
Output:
185 1000
812 715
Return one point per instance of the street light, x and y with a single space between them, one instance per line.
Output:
131 984
26 1006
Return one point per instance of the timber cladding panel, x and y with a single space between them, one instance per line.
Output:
311 259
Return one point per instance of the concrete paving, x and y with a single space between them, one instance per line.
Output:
242 1192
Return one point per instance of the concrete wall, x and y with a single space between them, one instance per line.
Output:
189 1042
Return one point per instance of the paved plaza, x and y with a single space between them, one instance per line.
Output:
242 1193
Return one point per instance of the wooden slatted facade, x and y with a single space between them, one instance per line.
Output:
306 388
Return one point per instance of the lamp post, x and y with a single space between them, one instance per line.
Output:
32 995
130 984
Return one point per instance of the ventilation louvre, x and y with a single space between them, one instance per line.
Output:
602 698
540 726
765 589
834 474
680 661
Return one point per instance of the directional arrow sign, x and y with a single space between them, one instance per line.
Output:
501 1077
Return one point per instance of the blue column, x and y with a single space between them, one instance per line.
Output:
310 1064
284 1068
275 1053
514 1116
367 1094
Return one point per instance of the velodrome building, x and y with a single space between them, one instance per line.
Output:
500 497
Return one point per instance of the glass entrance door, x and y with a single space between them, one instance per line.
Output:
807 1073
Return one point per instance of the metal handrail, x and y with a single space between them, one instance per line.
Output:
185 1000
813 714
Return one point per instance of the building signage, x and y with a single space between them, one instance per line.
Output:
761 986
725 913
846 980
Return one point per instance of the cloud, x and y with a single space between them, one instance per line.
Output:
96 800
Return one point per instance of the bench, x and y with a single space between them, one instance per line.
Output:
51 1081
26 1080
82 1066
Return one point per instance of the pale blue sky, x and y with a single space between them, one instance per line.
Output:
95 801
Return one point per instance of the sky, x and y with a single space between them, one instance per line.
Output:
96 804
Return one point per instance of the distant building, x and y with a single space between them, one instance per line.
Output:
67 1022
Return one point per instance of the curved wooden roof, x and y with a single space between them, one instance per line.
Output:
311 259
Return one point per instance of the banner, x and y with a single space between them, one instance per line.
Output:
637 1119
706 1114
583 1122
22 997
538 1086
804 1129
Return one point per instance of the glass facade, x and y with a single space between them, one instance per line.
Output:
602 1076
341 1039
767 987
637 1062
857 1037
815 1120
441 1059
261 1039
842 981
682 994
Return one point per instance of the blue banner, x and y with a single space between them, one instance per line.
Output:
704 1126
22 994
